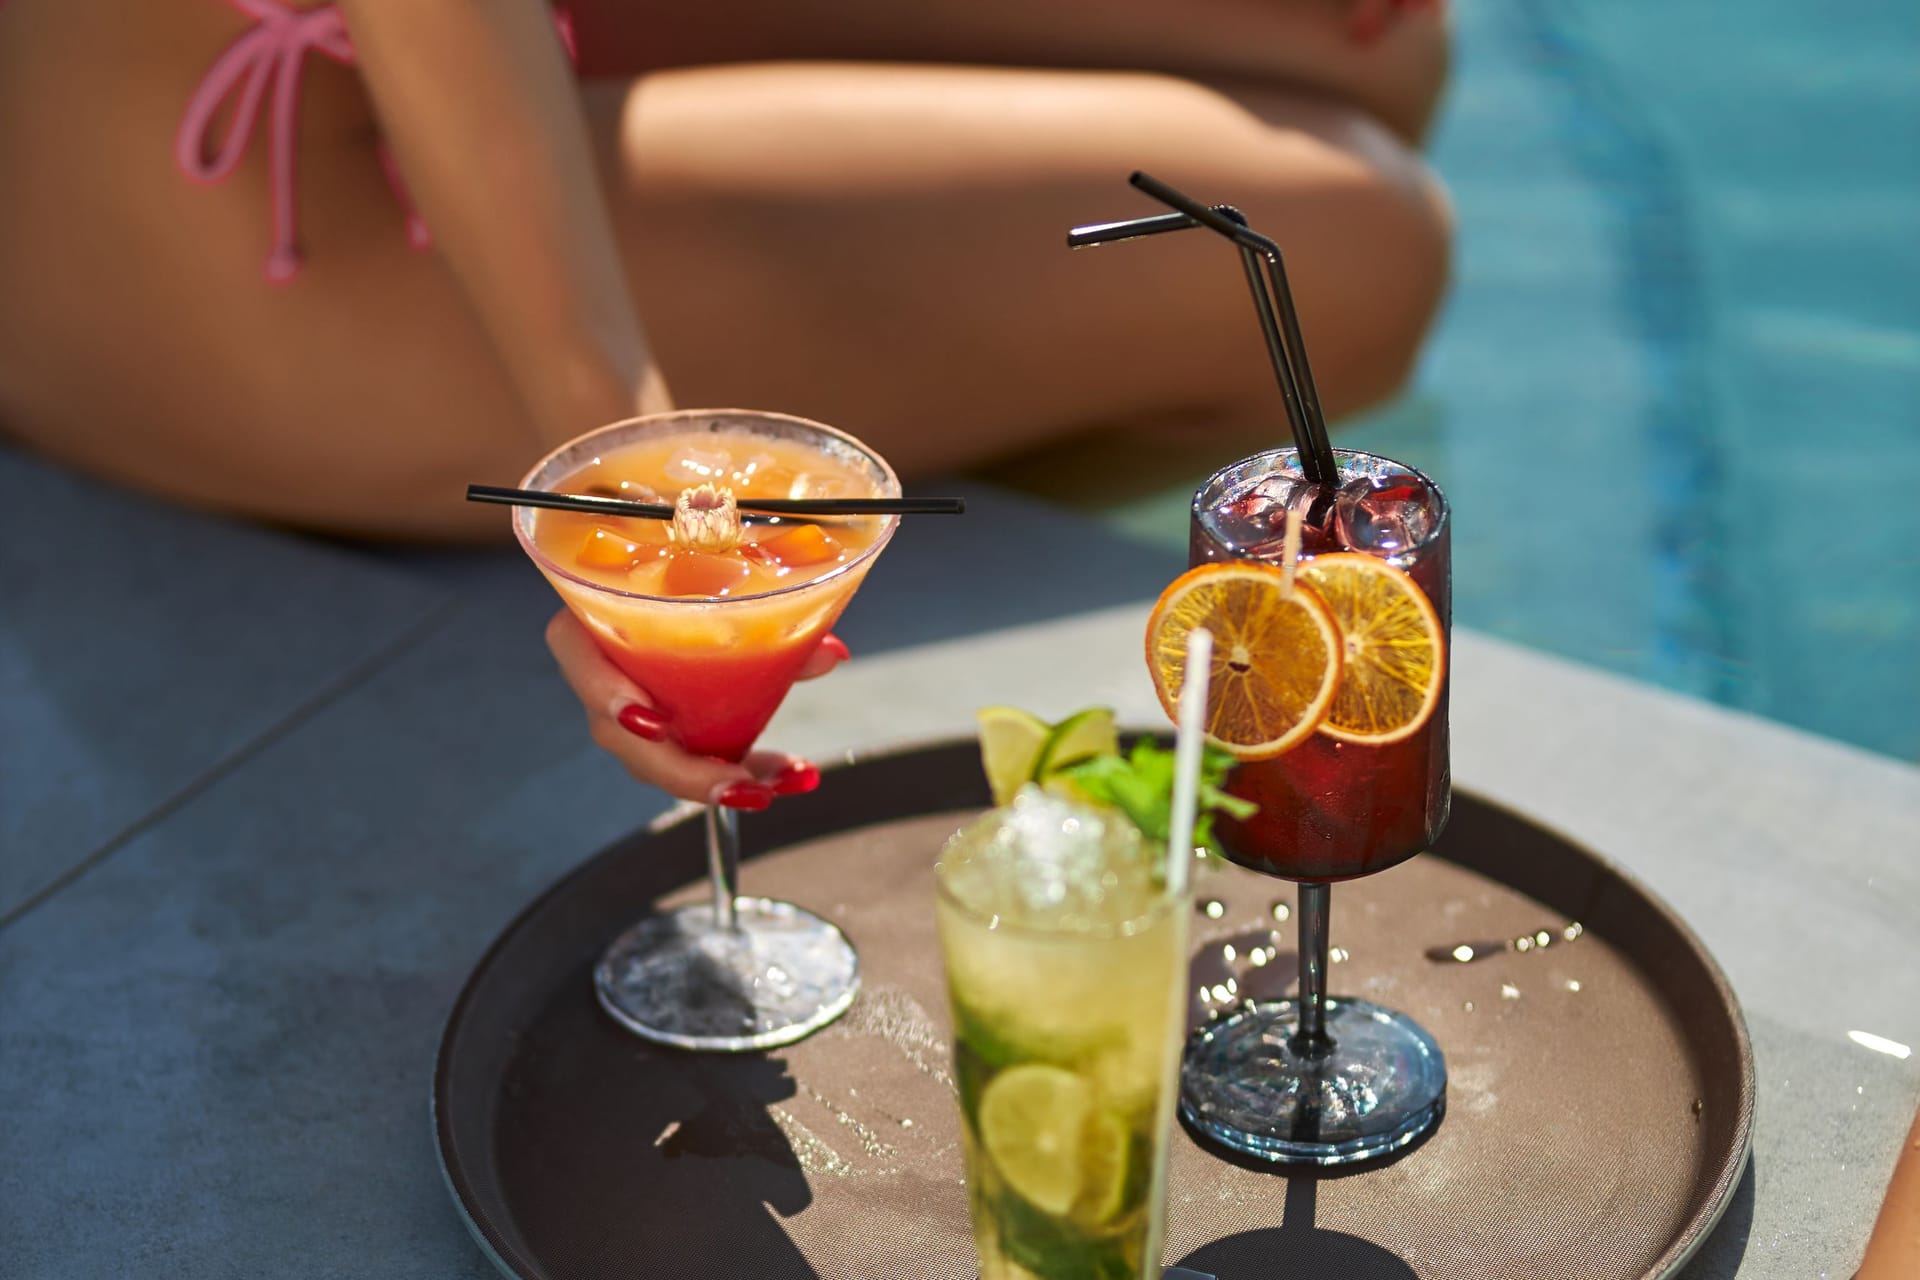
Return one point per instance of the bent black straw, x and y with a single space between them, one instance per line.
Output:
1272 301
1318 453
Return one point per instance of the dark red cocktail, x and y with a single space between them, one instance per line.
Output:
1332 809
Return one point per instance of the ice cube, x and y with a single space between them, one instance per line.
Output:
811 485
1043 862
1255 513
1386 515
760 462
696 465
1253 521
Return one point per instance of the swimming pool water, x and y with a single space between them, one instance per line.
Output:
1675 393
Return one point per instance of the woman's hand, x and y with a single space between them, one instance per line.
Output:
623 721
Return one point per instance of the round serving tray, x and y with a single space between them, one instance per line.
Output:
1600 1095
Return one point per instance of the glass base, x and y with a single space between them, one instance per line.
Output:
781 975
1383 1084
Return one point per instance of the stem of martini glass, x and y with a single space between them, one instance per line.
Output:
723 863
1310 1039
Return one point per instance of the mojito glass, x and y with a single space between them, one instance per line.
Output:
1066 958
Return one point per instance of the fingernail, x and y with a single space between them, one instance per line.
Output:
796 779
836 646
642 722
751 796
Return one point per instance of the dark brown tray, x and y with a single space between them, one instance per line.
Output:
1600 1099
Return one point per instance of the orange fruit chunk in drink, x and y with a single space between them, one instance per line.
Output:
801 545
695 573
1276 655
1393 657
607 548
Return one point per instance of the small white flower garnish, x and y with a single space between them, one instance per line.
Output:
706 518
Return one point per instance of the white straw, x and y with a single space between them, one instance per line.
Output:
1190 737
1290 551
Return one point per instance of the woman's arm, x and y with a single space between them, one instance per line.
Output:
481 110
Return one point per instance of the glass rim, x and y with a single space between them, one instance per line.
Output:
1204 496
890 489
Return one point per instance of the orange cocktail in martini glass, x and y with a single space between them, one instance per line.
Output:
716 631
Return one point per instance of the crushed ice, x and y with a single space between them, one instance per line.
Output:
1044 862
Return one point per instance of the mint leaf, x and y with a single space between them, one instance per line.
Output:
1141 786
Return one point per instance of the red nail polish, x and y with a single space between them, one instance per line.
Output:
836 646
796 779
642 722
751 796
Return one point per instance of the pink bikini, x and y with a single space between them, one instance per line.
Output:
270 56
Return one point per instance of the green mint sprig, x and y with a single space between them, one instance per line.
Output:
1140 785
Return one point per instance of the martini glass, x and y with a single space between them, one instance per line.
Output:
736 973
1326 1080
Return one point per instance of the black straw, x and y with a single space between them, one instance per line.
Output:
1108 232
1272 301
856 506
753 510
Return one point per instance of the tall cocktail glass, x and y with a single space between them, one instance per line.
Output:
737 973
1066 959
1320 1079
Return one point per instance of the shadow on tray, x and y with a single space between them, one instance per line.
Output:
1297 1247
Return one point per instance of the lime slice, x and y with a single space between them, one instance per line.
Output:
1010 742
1032 1118
1103 1168
1081 736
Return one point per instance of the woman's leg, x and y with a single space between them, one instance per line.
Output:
883 247
1308 45
879 246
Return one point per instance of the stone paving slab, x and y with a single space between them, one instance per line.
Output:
144 648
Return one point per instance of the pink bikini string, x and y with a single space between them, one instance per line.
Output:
273 54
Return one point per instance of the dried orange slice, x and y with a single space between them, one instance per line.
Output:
1393 654
1276 655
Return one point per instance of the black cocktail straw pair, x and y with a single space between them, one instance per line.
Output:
1272 301
752 510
